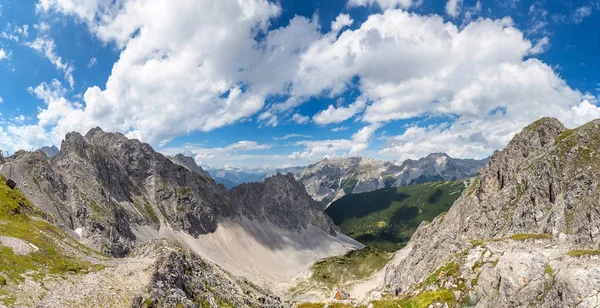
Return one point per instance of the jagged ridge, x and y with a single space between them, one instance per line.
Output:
542 188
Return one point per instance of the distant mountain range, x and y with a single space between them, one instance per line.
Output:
331 179
231 177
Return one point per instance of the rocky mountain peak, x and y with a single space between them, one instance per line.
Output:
283 201
542 189
438 155
189 163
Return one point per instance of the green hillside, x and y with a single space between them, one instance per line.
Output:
38 248
388 217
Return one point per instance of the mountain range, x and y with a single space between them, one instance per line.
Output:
118 196
108 221
331 179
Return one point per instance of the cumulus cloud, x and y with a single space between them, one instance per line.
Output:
343 20
337 115
453 7
196 68
208 64
300 119
237 154
319 149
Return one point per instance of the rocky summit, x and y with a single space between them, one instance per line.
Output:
524 234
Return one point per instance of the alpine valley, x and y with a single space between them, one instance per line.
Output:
107 221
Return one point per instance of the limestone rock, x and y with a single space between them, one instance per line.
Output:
536 200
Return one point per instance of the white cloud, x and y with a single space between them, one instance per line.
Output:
581 13
245 145
42 27
19 119
337 115
289 136
319 149
300 119
47 47
473 139
92 62
453 7
1 100
188 70
541 46
343 20
340 129
385 4
15 33
236 154
197 66
3 54
473 11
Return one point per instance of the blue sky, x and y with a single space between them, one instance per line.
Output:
263 84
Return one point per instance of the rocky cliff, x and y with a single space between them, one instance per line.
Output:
283 201
525 233
331 179
103 185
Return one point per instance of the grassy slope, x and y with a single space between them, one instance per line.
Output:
388 217
342 271
55 254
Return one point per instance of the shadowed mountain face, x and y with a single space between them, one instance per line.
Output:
521 232
388 217
103 187
330 179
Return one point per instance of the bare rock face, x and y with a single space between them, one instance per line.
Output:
181 279
103 185
284 202
516 236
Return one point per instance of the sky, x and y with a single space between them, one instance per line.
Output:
258 84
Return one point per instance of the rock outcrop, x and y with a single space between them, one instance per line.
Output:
181 279
524 233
